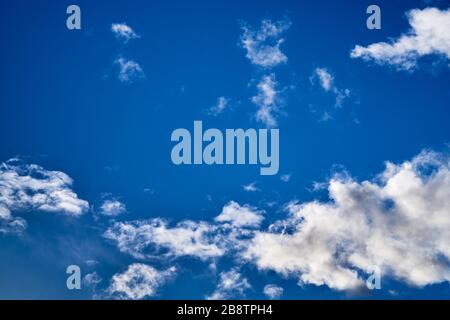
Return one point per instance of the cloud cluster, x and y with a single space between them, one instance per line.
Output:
129 70
398 223
429 35
25 187
263 50
263 45
139 281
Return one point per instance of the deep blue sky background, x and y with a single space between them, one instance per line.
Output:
61 106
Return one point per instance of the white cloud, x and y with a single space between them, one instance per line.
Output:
112 208
251 187
128 70
26 187
268 101
326 81
399 222
220 106
231 284
240 216
123 32
263 45
272 291
144 238
139 281
429 35
91 280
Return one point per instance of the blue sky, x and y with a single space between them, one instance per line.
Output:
66 107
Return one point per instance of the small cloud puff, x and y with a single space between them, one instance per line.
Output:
123 32
139 281
129 70
112 208
263 45
272 291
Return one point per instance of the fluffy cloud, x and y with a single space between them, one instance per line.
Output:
129 70
26 187
429 35
220 106
231 284
146 238
272 291
326 81
399 223
240 216
112 208
139 281
123 32
263 45
268 101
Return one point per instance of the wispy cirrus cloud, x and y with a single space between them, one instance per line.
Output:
268 101
428 35
220 106
25 187
326 80
123 32
251 187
